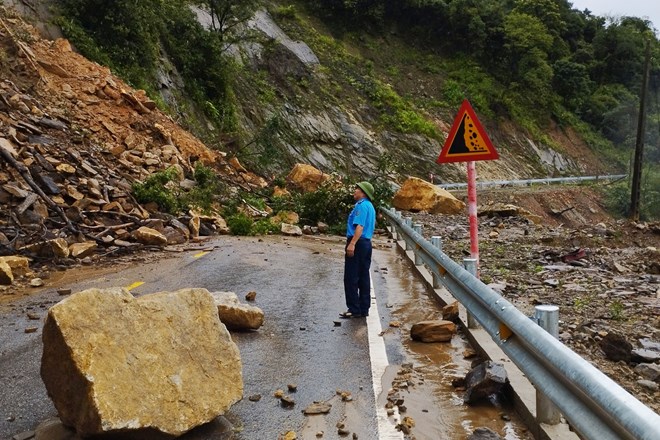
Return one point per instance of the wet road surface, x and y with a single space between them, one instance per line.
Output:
299 287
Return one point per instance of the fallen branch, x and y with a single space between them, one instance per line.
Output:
25 173
132 218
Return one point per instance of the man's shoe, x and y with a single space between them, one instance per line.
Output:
348 315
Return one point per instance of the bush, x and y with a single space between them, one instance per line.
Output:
240 224
155 189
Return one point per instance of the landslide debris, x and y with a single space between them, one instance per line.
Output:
74 139
604 274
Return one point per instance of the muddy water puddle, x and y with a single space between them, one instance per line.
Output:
436 407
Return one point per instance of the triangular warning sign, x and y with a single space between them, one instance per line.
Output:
467 140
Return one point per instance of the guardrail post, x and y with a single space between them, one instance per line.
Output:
470 265
547 317
395 231
408 222
436 241
417 227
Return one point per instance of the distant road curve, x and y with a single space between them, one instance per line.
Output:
529 182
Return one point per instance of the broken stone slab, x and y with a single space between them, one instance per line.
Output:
433 331
649 371
235 315
159 364
291 230
643 355
6 274
317 408
307 178
418 195
486 380
150 236
82 250
20 266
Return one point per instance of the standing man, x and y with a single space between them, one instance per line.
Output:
359 230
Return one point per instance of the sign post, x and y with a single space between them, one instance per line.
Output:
468 142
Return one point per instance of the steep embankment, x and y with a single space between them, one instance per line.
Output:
365 105
73 140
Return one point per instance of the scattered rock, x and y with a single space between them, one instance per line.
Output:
450 312
616 347
643 355
406 425
484 434
20 266
254 398
292 387
150 236
287 401
485 380
31 329
290 435
649 385
291 230
64 291
251 296
6 274
36 282
649 371
278 394
82 250
235 315
433 331
318 408
161 362
418 195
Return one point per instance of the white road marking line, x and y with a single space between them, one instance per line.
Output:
379 362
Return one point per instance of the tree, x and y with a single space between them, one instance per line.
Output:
227 16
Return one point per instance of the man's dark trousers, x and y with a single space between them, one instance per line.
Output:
357 285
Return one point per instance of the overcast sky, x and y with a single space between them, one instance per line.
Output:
649 9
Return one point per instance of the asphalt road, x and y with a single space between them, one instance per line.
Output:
299 286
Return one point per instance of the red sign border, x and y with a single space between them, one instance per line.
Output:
466 157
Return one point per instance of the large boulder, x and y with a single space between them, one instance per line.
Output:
306 177
6 275
236 315
160 364
433 331
82 250
291 230
419 195
616 347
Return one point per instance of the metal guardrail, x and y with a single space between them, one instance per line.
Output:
529 182
594 405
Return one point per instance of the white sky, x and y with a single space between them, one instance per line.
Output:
648 9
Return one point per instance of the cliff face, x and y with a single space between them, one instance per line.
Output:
335 113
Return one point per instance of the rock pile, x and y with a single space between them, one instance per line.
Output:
73 141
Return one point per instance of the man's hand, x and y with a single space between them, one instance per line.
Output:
350 249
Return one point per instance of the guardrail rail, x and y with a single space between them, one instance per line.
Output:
595 406
529 182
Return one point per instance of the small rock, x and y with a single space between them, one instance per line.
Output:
486 379
395 324
469 353
292 387
278 394
33 316
649 385
289 436
317 408
319 434
63 292
343 432
36 282
643 355
250 296
450 312
433 331
31 329
649 371
291 230
287 401
337 323
484 434
551 282
254 398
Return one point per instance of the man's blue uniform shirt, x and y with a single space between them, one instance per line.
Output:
363 214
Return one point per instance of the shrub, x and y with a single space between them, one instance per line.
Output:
240 224
155 189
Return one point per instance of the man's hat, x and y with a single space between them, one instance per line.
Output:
367 188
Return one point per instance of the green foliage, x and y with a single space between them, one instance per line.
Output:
264 227
617 196
240 224
286 12
617 310
162 188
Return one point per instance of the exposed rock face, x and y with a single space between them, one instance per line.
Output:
419 195
235 315
291 230
433 331
150 236
485 380
306 177
162 363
